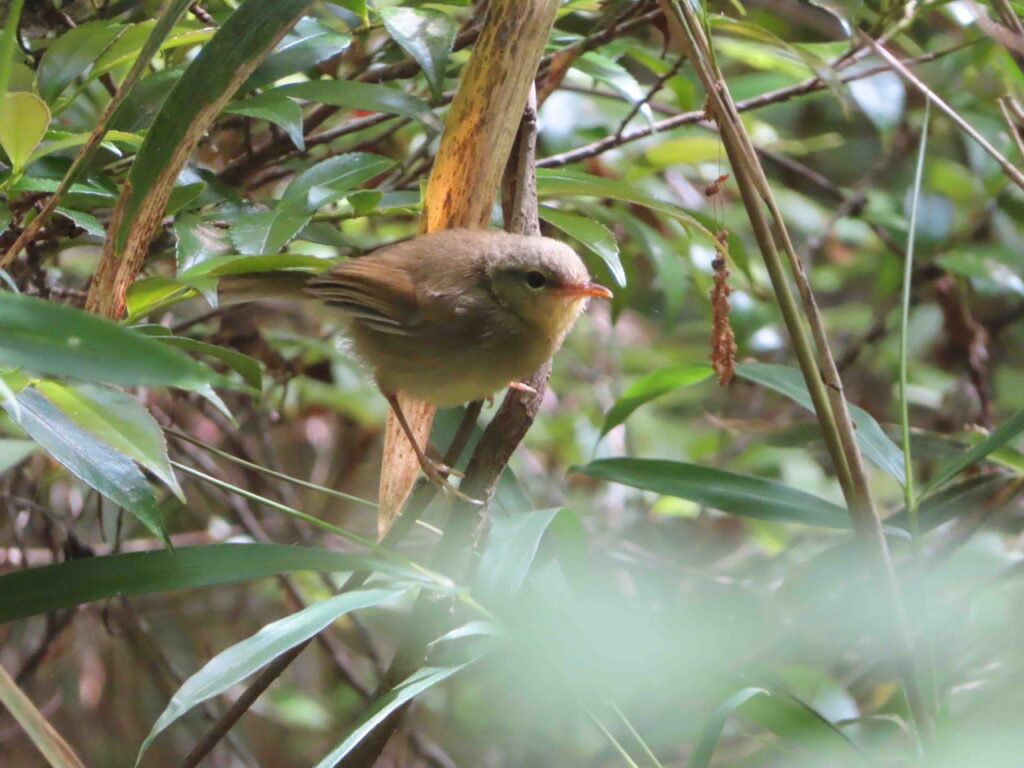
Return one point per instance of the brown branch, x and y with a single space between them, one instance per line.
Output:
811 85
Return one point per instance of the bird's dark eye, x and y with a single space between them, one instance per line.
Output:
535 279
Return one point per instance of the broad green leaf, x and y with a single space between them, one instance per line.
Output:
615 76
800 724
511 545
955 500
268 231
875 444
711 732
57 141
88 222
1002 435
198 96
48 741
34 591
57 340
222 266
23 123
413 686
88 458
305 46
72 54
276 108
737 494
560 184
649 387
133 43
331 179
182 195
235 664
426 35
243 365
150 293
198 241
592 234
13 452
119 420
369 97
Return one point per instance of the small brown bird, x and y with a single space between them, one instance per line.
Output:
456 315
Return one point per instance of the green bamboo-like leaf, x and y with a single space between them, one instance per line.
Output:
152 293
119 420
875 444
244 365
33 591
57 340
426 35
71 54
232 665
88 458
592 234
53 747
651 386
737 494
615 76
511 546
560 184
198 96
1002 435
366 96
413 686
711 732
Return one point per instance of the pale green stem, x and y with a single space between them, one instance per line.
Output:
909 497
612 740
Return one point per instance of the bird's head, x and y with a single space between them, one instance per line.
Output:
544 282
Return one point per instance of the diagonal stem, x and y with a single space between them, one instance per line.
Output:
821 376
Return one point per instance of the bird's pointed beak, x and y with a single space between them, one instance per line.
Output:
591 290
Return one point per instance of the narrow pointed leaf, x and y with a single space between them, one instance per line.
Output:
876 445
1002 435
737 494
650 387
235 664
88 458
413 686
119 420
426 35
57 340
592 234
33 591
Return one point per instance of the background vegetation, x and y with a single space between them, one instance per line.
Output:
668 574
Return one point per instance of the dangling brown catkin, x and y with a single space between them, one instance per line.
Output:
723 340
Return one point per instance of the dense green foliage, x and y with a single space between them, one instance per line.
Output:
668 573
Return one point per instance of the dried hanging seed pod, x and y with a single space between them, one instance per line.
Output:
723 340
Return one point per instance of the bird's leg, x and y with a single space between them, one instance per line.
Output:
522 386
434 470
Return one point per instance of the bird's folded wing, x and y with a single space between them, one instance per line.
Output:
381 298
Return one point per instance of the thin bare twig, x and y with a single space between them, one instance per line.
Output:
903 71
